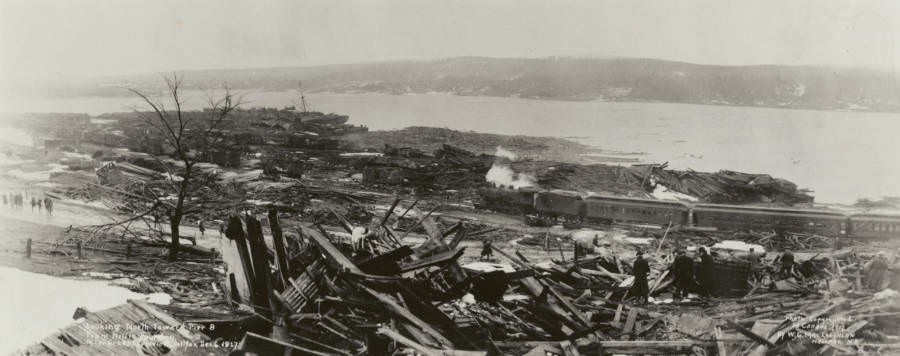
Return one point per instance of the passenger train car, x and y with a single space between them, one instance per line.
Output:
567 206
875 225
559 204
736 217
611 208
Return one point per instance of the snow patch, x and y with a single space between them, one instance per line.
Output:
489 267
662 192
735 245
51 302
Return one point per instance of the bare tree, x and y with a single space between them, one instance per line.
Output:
189 137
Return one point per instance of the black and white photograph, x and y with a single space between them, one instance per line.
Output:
449 177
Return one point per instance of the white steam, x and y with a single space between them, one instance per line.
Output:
502 175
502 152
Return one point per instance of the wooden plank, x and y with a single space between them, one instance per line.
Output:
280 252
749 333
433 260
460 235
646 347
262 288
332 254
418 213
235 232
629 322
406 314
253 342
387 214
720 346
568 349
426 350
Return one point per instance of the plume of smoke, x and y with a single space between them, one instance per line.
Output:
502 152
501 174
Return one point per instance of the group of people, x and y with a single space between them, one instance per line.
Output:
17 200
687 278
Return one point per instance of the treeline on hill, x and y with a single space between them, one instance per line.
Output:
571 79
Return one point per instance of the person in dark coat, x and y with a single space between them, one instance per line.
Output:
641 269
683 269
705 272
487 253
787 265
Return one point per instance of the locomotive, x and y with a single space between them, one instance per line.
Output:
563 206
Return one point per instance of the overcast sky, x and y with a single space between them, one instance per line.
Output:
66 38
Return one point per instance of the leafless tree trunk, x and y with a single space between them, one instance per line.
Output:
189 137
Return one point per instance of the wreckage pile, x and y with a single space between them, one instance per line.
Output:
639 181
364 291
724 186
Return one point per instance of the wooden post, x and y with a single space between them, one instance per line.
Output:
128 250
280 252
235 231
235 294
80 256
28 248
212 256
262 287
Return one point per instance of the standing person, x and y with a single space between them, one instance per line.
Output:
40 203
684 274
33 203
641 269
875 270
753 264
487 252
705 272
787 265
48 203
202 229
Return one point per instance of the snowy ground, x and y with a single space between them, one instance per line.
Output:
34 305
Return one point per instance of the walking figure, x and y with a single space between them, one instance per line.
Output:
487 253
48 203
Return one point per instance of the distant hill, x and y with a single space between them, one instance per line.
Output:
625 79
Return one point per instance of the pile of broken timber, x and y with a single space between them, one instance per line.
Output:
135 328
724 186
380 296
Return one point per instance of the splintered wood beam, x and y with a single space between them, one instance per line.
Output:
413 205
720 345
344 223
646 347
424 349
437 259
386 260
452 229
388 213
256 342
460 235
334 256
280 251
418 223
430 225
392 304
749 333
